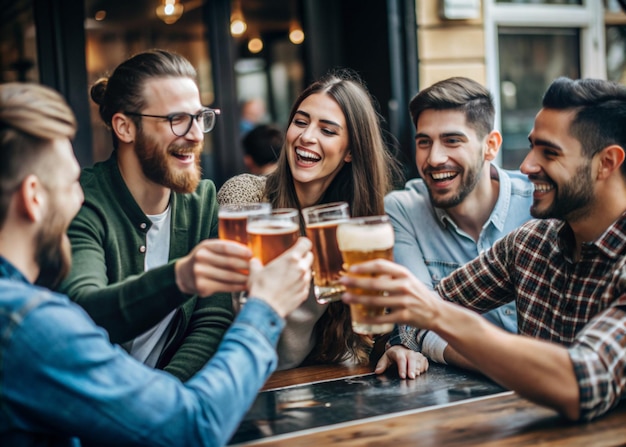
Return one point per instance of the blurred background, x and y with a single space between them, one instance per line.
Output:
266 51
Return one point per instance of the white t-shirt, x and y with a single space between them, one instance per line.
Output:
148 346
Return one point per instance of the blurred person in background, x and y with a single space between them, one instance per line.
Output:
253 112
261 147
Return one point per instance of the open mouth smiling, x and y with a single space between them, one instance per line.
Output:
443 176
543 187
183 155
306 156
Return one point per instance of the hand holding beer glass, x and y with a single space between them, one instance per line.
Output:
321 228
232 226
363 239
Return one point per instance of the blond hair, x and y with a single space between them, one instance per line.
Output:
31 117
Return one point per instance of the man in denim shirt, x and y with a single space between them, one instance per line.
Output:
61 381
458 208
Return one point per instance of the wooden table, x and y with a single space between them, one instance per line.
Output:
503 419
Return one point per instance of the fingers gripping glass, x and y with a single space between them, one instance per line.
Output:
181 122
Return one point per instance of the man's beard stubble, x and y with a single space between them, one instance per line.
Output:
155 164
469 181
53 254
571 200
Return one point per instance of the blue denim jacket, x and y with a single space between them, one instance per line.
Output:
431 245
63 383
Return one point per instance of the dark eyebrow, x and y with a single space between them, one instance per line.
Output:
453 134
300 112
546 143
329 122
443 135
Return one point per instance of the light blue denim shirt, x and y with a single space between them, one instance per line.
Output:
63 383
431 245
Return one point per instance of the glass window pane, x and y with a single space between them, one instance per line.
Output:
116 29
18 45
616 53
544 2
530 59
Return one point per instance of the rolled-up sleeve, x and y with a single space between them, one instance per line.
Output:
599 359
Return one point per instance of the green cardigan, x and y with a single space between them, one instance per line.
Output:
107 279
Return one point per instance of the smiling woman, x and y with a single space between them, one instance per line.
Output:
333 151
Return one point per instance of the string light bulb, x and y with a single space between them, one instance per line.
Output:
296 35
169 11
255 45
238 25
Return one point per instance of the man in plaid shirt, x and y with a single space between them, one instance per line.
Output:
565 270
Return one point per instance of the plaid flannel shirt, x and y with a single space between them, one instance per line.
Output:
580 304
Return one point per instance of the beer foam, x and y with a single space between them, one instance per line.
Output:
272 227
241 213
352 237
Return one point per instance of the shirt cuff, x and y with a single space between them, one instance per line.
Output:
263 317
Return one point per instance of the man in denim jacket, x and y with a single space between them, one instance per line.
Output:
61 381
459 207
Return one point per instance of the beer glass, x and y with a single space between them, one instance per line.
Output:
321 227
233 219
232 223
363 239
271 234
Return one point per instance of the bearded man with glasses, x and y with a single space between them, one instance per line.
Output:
144 241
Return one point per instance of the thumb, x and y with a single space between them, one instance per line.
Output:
382 364
255 266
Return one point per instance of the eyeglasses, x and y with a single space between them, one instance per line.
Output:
181 122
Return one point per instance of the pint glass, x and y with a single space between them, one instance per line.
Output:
363 239
232 223
271 234
321 228
233 220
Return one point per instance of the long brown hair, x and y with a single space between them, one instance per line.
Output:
363 183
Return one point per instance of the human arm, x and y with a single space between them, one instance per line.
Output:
107 278
61 375
538 370
243 188
199 344
410 212
78 383
200 327
127 305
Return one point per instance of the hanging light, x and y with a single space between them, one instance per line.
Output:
169 11
255 45
238 24
296 35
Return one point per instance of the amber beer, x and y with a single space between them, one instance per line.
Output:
363 239
321 229
231 226
233 219
270 235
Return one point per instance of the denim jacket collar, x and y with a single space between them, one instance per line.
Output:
8 271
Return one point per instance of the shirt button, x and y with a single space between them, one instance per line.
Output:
143 225
142 249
